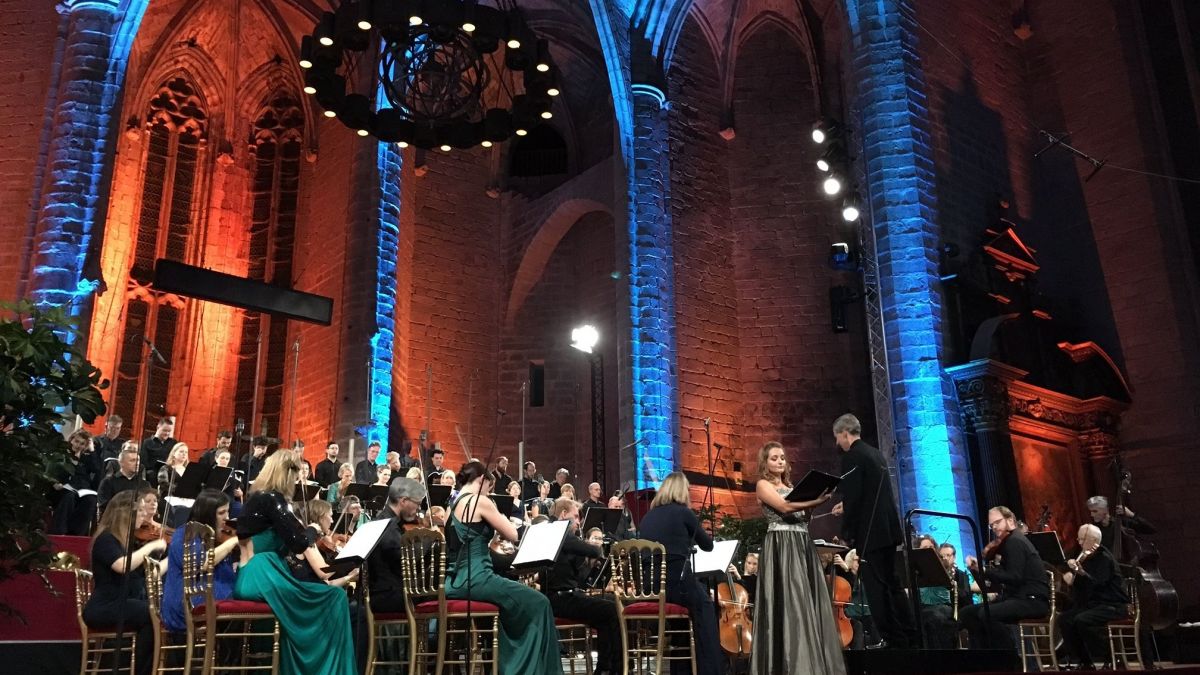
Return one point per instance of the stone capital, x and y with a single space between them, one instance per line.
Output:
68 6
982 390
650 93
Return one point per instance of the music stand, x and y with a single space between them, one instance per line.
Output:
927 568
358 548
606 519
371 497
305 492
217 478
439 495
504 504
540 545
1048 547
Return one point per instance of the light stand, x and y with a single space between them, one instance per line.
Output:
597 377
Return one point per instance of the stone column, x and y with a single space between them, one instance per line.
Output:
651 289
1099 447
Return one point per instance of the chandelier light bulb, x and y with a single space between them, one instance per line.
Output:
364 25
514 43
415 20
330 113
468 27
521 132
309 89
547 115
832 185
552 91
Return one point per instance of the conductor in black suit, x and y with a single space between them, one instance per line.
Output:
871 525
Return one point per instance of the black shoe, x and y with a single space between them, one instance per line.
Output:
882 644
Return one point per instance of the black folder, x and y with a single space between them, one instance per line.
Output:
305 492
188 485
813 485
372 497
606 519
217 477
439 495
1048 547
928 568
504 504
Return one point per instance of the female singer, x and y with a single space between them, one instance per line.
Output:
446 478
383 475
567 491
314 619
338 489
518 509
177 461
672 523
414 472
794 629
211 508
541 505
528 638
107 605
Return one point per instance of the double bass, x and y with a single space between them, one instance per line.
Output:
1157 597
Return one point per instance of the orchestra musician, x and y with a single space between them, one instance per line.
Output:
672 523
938 621
565 585
211 508
560 479
1025 590
794 629
157 448
314 619
74 485
327 469
126 478
107 605
1098 596
528 637
748 577
540 505
383 565
364 471
338 488
1103 519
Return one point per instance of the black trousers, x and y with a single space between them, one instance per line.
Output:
73 514
938 627
1083 631
997 633
890 613
137 621
599 613
689 593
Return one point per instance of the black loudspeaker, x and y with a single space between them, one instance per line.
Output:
839 297
196 282
931 661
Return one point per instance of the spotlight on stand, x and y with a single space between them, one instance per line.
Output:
585 337
824 130
842 257
851 207
832 185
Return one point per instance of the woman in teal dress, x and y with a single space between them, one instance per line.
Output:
314 618
528 638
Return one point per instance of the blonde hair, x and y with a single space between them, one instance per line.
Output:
116 516
345 467
563 505
414 472
763 472
674 490
565 487
318 508
175 448
279 473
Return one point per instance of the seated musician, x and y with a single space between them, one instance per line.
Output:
1097 597
383 565
1021 576
938 606
1102 518
211 508
567 581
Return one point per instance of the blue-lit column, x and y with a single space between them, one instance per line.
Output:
651 289
97 40
387 249
930 452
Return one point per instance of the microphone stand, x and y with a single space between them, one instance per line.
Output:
710 497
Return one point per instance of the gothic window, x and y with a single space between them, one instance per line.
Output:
276 144
176 122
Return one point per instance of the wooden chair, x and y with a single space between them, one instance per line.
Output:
162 638
387 627
640 577
92 640
217 620
423 564
1037 638
1124 635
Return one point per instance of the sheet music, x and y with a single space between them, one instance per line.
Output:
717 560
541 543
364 539
82 493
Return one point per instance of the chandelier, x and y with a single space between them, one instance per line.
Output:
430 73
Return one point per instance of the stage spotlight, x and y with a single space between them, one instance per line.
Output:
841 257
851 207
832 185
585 337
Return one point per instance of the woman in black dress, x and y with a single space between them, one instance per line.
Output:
672 523
108 605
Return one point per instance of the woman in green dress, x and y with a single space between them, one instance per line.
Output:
314 618
528 638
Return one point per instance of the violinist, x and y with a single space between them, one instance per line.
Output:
565 585
1103 519
147 528
1024 589
211 508
1098 596
383 565
794 628
320 519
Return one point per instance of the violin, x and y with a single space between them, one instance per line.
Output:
736 630
151 530
330 545
993 547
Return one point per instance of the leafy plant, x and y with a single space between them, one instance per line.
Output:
749 531
44 381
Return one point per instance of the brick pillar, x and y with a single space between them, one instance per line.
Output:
651 289
93 65
894 130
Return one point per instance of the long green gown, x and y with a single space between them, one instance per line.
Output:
528 638
314 619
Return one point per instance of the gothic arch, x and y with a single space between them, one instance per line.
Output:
191 64
799 32
260 87
537 253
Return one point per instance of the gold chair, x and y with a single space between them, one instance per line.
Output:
381 627
577 637
216 620
640 577
92 640
162 647
1124 635
1037 636
423 564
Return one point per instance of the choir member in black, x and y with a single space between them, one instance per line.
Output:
126 477
595 498
871 525
107 446
224 442
252 463
364 471
937 611
1097 596
502 477
74 487
107 605
232 487
1021 575
156 448
672 523
748 577
530 482
438 457
518 508
560 479
567 581
540 505
1102 518
327 469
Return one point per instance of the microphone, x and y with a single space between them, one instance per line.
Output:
706 421
240 426
154 350
718 446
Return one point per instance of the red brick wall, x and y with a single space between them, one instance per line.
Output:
28 40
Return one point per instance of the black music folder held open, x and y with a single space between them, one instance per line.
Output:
372 497
814 484
608 520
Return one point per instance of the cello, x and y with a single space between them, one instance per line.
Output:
735 627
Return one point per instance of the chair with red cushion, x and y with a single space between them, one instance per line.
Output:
387 627
640 579
95 641
423 564
214 620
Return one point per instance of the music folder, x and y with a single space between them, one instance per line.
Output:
372 497
188 485
217 477
928 568
359 547
606 519
814 484
504 504
306 492
541 544
716 561
439 495
1048 547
